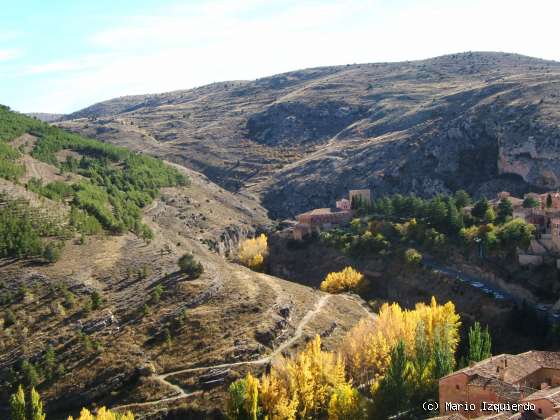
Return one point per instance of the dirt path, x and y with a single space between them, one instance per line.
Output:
162 378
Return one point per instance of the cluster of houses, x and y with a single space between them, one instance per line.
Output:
522 386
326 218
545 246
546 218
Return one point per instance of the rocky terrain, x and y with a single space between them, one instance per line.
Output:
479 121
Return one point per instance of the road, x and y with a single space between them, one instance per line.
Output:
488 287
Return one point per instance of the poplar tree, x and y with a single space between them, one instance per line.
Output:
17 405
480 343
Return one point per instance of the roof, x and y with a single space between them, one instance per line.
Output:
550 394
517 367
323 211
506 391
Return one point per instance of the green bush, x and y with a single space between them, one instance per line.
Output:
52 252
190 266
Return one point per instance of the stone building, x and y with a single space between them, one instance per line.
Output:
326 218
343 204
531 377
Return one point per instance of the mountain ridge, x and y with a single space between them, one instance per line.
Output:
300 139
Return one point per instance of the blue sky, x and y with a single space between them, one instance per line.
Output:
62 55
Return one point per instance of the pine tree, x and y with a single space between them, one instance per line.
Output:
505 210
49 362
30 374
454 218
480 208
462 199
548 201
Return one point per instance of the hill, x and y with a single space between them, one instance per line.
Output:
479 121
93 306
43 116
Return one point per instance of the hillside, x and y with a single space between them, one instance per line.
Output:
45 116
93 306
479 121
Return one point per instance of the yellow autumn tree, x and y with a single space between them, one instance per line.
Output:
342 281
300 387
252 252
252 393
367 347
344 403
103 414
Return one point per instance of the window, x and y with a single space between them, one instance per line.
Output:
540 410
457 387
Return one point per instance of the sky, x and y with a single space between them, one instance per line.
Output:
59 56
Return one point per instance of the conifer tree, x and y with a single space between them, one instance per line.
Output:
480 343
505 210
462 199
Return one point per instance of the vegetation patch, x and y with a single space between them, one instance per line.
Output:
117 183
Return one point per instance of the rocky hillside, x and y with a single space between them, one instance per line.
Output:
479 121
45 116
93 307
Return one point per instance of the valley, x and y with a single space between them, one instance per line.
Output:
122 280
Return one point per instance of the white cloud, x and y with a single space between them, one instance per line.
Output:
190 45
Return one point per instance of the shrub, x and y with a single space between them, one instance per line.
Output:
9 318
412 256
156 294
190 266
96 300
53 252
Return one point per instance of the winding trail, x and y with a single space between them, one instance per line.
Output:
162 378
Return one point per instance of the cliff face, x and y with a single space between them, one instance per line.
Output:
479 121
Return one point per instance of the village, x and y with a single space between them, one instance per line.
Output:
540 210
522 386
505 386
